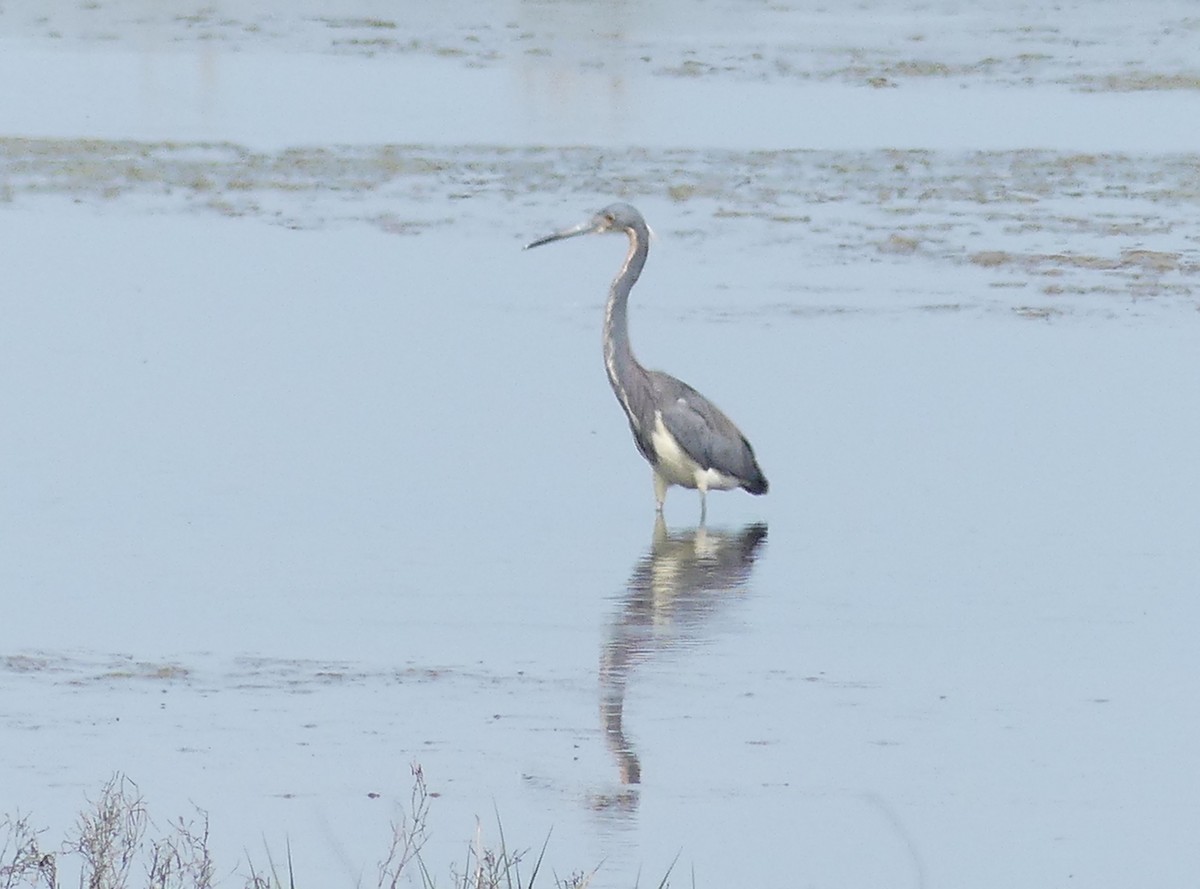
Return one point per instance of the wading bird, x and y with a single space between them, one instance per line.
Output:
684 436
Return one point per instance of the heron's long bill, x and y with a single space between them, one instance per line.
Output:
582 229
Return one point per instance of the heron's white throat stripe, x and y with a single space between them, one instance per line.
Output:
610 349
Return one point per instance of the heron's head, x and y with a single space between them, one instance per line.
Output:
613 218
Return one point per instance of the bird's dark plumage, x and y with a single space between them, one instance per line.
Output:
683 435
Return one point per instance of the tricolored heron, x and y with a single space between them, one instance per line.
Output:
684 436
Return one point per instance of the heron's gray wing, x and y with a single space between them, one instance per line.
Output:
703 431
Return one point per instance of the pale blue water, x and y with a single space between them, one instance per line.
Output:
306 482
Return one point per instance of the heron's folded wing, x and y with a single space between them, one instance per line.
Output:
708 436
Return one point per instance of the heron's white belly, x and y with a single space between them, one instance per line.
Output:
677 468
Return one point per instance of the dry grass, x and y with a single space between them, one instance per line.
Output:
113 845
108 835
22 861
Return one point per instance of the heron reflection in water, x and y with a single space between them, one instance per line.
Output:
676 589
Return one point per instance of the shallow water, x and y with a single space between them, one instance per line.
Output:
312 473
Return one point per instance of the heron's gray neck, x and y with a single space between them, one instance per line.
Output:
624 373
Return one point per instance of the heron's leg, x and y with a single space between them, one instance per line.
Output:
659 537
660 490
703 506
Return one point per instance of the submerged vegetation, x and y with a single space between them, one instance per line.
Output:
1003 218
116 845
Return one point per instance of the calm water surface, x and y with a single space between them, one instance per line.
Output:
312 474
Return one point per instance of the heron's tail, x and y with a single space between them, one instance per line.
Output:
756 485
